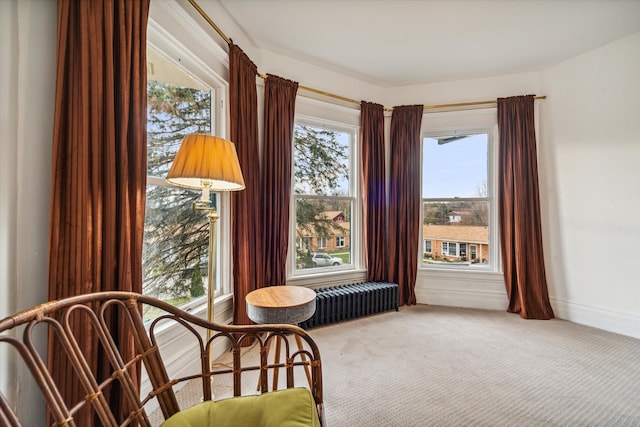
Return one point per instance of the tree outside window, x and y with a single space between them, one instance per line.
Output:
175 251
322 192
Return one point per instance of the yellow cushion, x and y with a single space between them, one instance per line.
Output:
292 407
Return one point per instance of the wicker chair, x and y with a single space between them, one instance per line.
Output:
16 331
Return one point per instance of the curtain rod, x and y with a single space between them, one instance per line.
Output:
332 95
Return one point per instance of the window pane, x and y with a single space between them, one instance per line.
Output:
455 166
176 245
453 249
173 112
321 161
453 226
176 239
322 221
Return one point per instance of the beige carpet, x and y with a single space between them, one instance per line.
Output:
437 366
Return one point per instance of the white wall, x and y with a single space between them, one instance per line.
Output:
28 46
590 183
481 89
8 159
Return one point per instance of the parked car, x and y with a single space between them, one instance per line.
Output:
321 259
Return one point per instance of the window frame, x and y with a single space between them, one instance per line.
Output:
188 61
322 243
294 273
452 129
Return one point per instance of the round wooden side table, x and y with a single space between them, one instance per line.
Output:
282 304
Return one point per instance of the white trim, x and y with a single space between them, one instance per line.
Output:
182 57
174 21
469 122
174 34
461 288
597 317
466 298
486 291
317 281
211 73
356 241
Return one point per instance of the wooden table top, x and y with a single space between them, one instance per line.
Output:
280 297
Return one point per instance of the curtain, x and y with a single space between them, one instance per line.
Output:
519 210
246 231
404 199
279 112
374 194
99 170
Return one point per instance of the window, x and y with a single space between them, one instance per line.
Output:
426 248
456 199
322 242
449 249
175 251
323 195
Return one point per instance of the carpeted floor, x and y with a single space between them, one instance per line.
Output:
440 366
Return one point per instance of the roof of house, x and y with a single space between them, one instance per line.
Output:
330 214
340 229
456 233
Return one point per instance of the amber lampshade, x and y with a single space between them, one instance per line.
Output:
206 161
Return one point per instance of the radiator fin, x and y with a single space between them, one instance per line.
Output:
340 303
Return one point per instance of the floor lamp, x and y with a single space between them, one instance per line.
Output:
208 163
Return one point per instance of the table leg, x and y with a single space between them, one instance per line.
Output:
276 361
267 348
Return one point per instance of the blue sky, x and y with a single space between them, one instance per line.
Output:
455 169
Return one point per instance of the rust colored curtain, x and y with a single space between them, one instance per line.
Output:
246 232
519 210
279 112
99 169
404 199
374 193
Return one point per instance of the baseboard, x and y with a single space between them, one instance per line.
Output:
596 317
620 323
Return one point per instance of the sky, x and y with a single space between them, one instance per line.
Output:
454 169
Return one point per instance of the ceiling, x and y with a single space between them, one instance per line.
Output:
404 42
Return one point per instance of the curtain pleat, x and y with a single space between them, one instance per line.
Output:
99 162
404 199
519 210
374 193
246 228
279 113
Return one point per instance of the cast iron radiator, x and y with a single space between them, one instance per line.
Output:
345 302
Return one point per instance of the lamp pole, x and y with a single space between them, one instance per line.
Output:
204 204
207 162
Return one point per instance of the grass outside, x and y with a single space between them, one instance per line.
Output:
345 256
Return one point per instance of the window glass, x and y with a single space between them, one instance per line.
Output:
455 167
323 200
175 250
456 200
